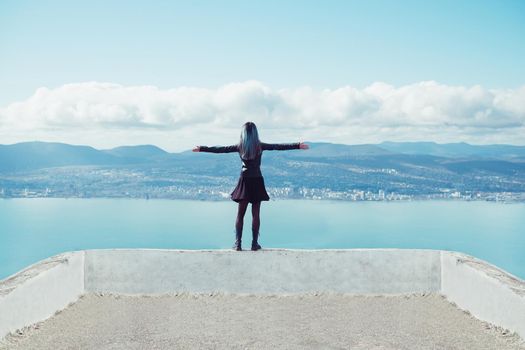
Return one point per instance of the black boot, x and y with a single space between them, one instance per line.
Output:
255 244
237 244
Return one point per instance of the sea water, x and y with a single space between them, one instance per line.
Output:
34 229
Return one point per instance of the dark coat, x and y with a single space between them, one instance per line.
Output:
251 167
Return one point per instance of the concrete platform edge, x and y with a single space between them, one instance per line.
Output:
487 292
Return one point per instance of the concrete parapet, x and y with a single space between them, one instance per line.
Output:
40 290
487 292
363 271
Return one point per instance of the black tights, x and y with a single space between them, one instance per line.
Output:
256 221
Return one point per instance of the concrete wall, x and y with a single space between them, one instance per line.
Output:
40 290
487 292
270 271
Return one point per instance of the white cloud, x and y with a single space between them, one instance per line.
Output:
114 114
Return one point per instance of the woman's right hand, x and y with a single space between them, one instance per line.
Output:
196 149
303 145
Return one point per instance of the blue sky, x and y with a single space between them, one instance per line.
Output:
281 44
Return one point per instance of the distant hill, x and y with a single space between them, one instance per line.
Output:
324 171
455 150
27 156
137 153
335 150
456 157
37 155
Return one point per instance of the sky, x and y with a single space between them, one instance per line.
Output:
178 74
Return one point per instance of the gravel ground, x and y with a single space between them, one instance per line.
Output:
222 321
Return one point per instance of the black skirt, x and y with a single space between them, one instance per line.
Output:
251 189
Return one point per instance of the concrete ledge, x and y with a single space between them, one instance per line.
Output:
366 271
40 290
487 292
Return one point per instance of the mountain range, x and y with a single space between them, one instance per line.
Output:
411 168
37 155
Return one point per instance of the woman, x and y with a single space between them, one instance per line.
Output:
250 187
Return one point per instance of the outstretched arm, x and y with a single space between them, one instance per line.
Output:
283 146
217 149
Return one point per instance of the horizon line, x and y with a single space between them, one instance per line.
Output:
308 142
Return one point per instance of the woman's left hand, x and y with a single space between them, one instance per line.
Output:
303 145
196 149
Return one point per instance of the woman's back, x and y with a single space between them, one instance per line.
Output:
251 167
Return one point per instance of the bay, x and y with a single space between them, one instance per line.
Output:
36 228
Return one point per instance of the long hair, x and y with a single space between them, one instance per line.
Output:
249 144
